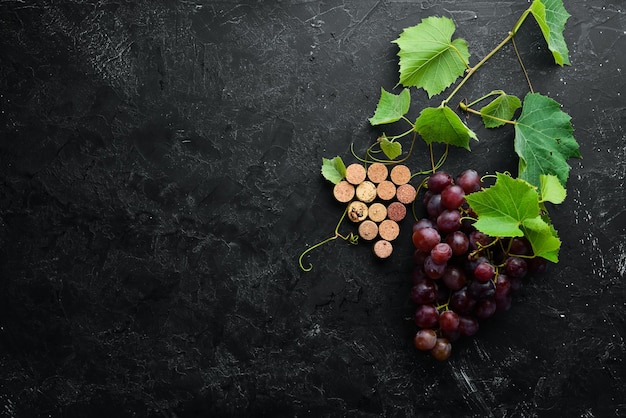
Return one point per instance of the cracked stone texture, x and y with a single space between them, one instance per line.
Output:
160 178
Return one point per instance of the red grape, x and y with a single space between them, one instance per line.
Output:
425 239
425 339
469 180
442 349
438 181
441 253
426 316
452 197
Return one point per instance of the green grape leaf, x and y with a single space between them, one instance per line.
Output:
542 237
391 107
544 140
429 58
502 107
510 208
391 149
333 170
551 17
441 124
551 189
503 207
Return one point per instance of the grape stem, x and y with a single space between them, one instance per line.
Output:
351 238
472 70
467 109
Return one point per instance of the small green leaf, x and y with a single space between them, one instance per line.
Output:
551 189
551 17
391 149
502 107
441 124
391 107
503 207
543 238
333 170
429 58
544 140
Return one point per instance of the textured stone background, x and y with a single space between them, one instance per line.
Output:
160 176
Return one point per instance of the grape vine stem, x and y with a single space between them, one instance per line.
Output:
351 238
475 68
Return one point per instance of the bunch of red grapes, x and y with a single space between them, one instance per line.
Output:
462 276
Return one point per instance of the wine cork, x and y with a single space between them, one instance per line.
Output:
366 191
396 211
388 230
355 173
400 174
357 211
383 249
406 193
368 230
377 212
343 191
386 190
377 172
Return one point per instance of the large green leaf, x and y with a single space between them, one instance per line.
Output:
500 109
429 58
551 17
391 107
333 170
441 124
503 207
510 208
544 140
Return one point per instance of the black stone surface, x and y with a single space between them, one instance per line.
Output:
160 177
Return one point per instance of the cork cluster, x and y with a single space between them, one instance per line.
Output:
377 200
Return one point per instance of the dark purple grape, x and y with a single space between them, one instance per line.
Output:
516 284
458 241
449 321
443 295
484 272
520 246
426 316
425 239
469 265
468 325
481 290
424 292
462 302
449 221
503 303
477 237
451 336
469 180
427 197
438 181
503 286
434 206
515 267
453 277
452 197
537 265
419 257
432 269
425 339
417 275
442 349
423 223
441 253
485 308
